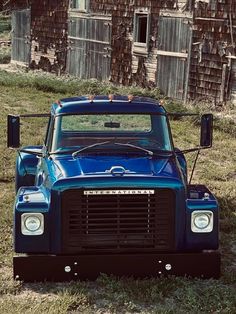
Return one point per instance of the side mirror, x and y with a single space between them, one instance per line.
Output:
13 131
206 130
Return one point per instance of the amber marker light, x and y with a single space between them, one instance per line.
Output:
58 102
130 98
91 98
161 102
111 97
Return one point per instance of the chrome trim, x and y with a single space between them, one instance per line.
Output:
117 192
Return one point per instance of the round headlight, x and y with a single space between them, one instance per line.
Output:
32 223
201 221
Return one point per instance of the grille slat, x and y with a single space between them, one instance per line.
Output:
117 222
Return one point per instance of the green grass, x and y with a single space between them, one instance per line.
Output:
5 23
30 93
69 85
5 55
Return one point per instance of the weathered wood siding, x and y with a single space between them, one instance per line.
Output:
49 34
21 36
48 30
175 31
16 4
232 86
213 42
128 68
214 35
89 53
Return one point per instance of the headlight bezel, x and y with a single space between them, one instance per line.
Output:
206 214
25 230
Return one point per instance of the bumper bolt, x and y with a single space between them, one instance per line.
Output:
67 269
168 266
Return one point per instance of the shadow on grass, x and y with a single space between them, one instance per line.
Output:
227 215
126 295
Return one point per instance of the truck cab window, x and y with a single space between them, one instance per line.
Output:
144 130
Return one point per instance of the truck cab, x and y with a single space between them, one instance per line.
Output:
108 193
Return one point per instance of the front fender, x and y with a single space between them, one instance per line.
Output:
31 200
26 167
183 163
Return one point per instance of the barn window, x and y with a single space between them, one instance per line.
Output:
80 5
141 32
141 28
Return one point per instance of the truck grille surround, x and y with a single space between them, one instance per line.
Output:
117 223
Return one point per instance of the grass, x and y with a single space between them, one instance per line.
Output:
28 93
5 55
5 23
68 85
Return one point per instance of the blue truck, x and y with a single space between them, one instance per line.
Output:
108 192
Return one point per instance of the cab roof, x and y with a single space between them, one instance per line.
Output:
107 104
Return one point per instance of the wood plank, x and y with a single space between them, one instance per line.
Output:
223 82
172 54
209 19
90 16
20 36
90 43
177 14
231 57
89 40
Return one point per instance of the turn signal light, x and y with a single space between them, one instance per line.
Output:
91 98
58 102
111 97
130 98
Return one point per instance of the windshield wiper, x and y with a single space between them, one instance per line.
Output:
63 151
149 152
77 152
88 147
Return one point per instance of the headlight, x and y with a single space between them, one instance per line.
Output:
32 223
202 221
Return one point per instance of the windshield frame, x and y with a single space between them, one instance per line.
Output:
101 135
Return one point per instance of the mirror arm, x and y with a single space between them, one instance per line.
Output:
39 154
190 150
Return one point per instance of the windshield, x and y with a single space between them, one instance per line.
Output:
79 131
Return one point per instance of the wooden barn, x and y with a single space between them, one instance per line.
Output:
184 47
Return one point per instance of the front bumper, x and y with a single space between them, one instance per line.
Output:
66 268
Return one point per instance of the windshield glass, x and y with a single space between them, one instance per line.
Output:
143 130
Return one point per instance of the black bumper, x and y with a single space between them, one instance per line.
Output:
66 268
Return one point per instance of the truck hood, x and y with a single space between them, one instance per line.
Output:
66 167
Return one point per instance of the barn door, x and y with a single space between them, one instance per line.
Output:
174 50
21 36
89 54
233 81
